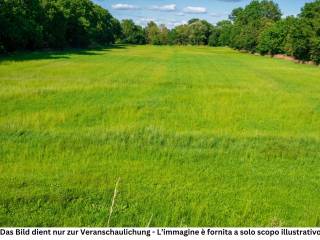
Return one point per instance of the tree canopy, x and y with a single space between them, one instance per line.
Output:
258 27
132 33
34 24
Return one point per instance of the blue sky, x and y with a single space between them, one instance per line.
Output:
175 12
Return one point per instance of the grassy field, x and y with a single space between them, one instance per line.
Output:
197 136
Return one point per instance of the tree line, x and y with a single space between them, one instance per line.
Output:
258 27
55 24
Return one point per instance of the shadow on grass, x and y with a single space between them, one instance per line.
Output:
57 54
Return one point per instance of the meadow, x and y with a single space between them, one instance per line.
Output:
194 136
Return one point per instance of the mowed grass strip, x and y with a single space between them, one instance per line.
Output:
198 136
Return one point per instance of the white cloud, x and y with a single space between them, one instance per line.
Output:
123 6
180 14
195 10
168 8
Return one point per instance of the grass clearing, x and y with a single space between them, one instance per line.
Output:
198 136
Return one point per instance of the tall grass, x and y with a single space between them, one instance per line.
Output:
200 137
113 201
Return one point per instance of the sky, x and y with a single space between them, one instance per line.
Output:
176 12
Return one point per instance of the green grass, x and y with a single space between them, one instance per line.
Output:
198 137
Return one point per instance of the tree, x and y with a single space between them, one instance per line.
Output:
172 36
35 24
131 33
55 24
310 13
298 37
225 28
116 30
199 32
193 20
315 50
181 35
214 38
298 42
235 14
103 27
153 33
273 40
164 34
21 26
251 21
